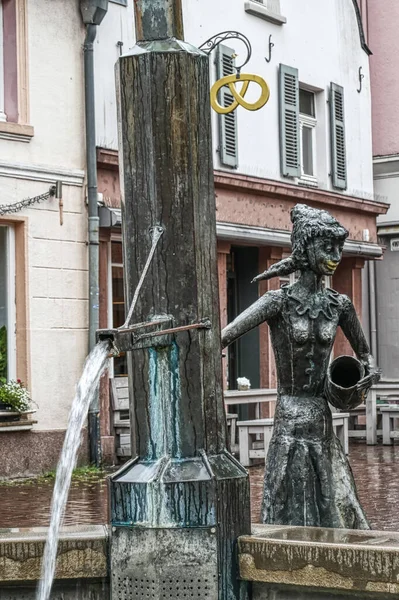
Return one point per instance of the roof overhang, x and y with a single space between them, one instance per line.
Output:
244 234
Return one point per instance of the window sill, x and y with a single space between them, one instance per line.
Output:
258 10
16 132
307 182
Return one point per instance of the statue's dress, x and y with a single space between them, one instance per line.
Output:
308 480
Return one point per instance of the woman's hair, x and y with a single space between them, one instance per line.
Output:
308 223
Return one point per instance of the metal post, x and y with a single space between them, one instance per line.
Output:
179 506
93 227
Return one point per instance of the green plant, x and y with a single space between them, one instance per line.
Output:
3 354
15 395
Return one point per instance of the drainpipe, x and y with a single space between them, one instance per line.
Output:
373 310
93 12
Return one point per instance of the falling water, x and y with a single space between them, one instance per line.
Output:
87 386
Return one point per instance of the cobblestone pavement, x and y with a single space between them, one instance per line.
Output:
376 471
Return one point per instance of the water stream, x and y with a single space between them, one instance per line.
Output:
86 388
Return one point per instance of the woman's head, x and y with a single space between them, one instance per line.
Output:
317 243
317 240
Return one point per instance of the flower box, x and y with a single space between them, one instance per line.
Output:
16 421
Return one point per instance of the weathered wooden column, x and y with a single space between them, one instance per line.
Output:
178 507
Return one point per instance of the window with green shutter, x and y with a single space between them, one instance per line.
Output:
228 147
338 145
289 122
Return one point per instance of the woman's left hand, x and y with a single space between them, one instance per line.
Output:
373 374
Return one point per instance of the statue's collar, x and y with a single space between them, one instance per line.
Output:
321 302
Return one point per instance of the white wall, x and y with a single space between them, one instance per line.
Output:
56 260
117 26
321 39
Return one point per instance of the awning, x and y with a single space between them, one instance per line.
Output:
261 236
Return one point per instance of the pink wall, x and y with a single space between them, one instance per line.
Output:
383 25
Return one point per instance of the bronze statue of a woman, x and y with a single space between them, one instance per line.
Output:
308 480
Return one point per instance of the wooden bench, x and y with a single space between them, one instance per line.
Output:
389 431
386 390
251 449
120 418
258 397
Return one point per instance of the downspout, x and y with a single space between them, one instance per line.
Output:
93 231
93 12
373 310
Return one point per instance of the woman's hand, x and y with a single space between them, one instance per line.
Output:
372 376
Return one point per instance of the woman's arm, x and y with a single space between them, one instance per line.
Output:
353 331
260 311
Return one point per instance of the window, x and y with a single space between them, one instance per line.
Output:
118 300
269 10
307 136
14 88
7 304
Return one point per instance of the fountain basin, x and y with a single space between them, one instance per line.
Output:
82 562
310 560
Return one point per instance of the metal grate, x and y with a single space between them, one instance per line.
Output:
190 588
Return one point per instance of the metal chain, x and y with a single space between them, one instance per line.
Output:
17 206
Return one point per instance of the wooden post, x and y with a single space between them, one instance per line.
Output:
178 508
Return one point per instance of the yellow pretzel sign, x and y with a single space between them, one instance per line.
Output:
239 95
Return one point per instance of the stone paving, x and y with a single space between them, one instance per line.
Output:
376 471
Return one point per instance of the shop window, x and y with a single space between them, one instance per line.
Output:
7 305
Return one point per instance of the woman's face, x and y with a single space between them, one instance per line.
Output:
324 254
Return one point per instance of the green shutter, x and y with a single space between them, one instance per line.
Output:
289 122
228 146
338 146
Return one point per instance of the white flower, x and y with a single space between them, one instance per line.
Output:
243 383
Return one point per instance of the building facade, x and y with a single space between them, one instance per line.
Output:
43 265
382 28
311 143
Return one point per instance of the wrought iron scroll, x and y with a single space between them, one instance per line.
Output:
219 38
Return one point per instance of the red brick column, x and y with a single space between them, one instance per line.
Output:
348 280
268 255
223 249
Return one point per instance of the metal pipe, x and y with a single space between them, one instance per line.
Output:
93 229
373 310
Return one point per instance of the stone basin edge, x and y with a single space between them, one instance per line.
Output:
354 567
82 553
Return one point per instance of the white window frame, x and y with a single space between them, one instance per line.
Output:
269 10
311 123
11 303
